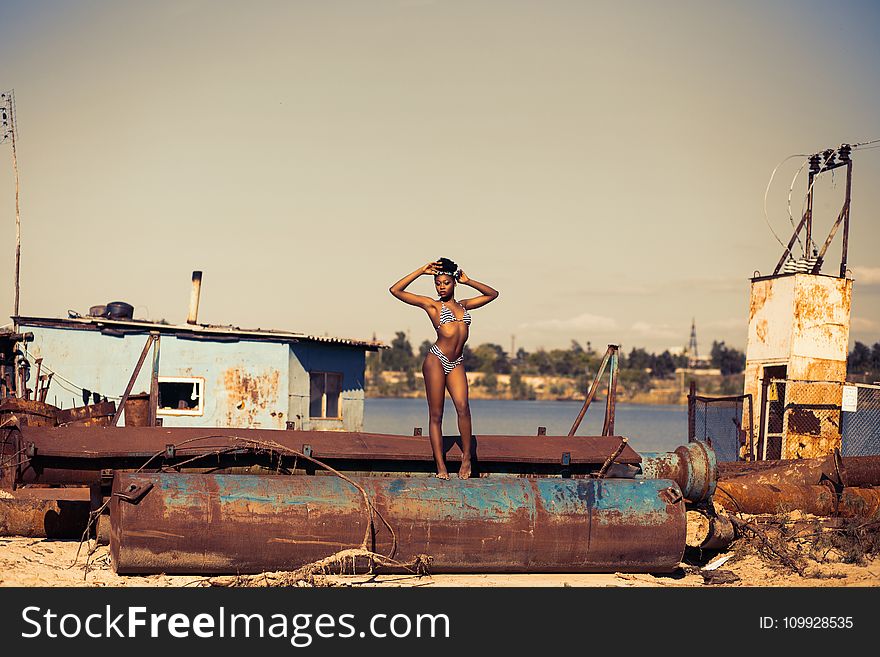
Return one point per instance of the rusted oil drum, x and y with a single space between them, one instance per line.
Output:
181 523
137 410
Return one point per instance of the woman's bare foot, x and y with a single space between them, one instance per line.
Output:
464 472
442 475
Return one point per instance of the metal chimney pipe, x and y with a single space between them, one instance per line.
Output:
193 316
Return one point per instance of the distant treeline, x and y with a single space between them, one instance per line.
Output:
864 361
638 366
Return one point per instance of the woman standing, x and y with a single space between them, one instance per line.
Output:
443 369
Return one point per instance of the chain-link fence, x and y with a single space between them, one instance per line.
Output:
860 421
722 423
804 419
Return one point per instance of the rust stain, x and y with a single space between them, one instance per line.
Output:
250 395
813 307
761 293
820 369
761 330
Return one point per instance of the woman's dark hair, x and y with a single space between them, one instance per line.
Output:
450 268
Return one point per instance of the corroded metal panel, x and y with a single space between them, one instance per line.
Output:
770 318
225 524
820 327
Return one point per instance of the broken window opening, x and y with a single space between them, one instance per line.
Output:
181 395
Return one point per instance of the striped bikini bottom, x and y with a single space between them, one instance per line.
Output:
448 365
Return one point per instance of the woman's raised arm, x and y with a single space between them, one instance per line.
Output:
399 288
487 293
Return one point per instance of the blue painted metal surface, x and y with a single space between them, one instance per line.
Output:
258 384
229 524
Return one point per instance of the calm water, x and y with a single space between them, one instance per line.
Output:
649 428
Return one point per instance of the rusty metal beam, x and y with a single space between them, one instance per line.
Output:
176 523
98 415
77 455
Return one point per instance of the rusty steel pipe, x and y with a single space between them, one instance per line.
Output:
177 523
43 518
820 500
775 498
858 471
693 467
195 295
802 472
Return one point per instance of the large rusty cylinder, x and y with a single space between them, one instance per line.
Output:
78 455
43 518
693 467
181 523
821 500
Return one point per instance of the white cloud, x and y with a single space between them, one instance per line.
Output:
730 323
620 291
866 275
863 324
582 322
727 284
656 331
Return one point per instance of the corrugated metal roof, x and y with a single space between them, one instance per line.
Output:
192 331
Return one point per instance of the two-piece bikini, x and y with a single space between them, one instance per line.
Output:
446 316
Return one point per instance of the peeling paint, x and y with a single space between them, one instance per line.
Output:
250 395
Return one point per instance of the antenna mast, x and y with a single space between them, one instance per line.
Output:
7 133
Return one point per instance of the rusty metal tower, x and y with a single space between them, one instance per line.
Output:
798 335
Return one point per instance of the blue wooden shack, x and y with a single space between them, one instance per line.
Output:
215 376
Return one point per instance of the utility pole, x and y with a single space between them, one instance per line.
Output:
7 133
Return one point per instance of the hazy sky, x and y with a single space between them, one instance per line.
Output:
603 165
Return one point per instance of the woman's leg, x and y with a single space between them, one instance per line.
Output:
435 391
456 383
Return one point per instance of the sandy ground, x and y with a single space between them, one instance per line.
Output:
41 562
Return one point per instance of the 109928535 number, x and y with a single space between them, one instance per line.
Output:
817 622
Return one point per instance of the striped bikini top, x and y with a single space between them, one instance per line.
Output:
447 316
